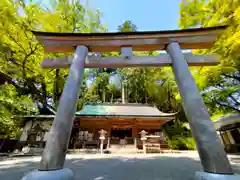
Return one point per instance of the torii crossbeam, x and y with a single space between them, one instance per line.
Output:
211 152
139 41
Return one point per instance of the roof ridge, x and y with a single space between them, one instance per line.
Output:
211 28
118 104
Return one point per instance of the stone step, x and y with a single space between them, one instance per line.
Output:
122 149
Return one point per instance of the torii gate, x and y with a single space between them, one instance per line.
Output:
213 157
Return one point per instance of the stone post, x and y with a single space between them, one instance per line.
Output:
210 149
57 144
135 142
102 138
101 145
108 144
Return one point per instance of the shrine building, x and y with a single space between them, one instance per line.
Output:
120 121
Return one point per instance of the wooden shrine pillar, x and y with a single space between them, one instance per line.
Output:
134 131
57 144
210 149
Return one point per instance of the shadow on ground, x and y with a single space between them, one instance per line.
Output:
117 168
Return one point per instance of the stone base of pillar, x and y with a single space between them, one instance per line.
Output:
212 176
61 174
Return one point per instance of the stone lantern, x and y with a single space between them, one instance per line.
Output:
143 139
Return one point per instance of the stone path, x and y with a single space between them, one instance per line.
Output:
118 167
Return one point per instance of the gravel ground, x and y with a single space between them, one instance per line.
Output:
180 166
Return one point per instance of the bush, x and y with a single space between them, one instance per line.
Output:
179 137
190 143
182 143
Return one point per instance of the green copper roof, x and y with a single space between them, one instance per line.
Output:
137 110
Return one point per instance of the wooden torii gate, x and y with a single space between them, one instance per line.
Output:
212 154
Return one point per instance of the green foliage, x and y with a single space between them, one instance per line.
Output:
189 143
127 26
219 85
153 86
182 143
217 116
178 136
11 104
21 55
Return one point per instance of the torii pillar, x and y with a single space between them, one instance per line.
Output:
212 155
53 157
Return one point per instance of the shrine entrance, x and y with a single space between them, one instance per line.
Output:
213 157
121 133
121 136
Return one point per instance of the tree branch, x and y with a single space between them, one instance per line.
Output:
232 77
229 106
234 99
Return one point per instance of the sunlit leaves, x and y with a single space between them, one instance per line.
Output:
12 104
21 54
127 26
220 84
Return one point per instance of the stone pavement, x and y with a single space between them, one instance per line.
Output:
180 166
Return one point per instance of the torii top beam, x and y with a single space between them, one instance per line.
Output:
198 38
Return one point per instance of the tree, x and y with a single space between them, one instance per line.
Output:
100 77
127 26
12 104
21 54
219 85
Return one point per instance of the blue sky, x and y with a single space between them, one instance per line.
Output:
147 15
